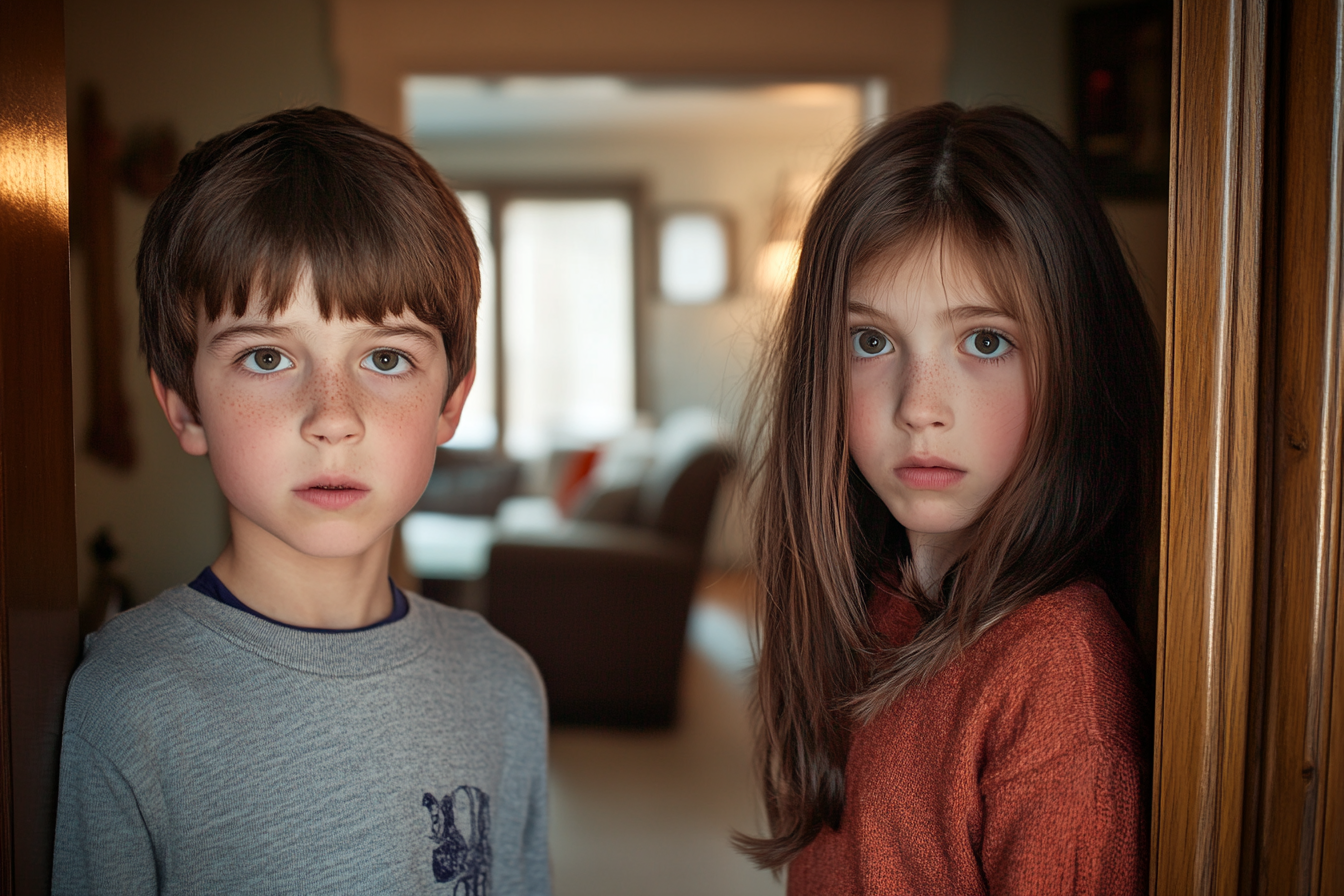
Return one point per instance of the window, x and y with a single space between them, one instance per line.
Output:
694 262
479 426
556 337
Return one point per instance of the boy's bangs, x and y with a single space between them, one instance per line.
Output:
367 261
305 193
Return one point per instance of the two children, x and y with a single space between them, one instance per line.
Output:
291 722
956 475
957 465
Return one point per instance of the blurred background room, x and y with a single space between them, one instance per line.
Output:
637 175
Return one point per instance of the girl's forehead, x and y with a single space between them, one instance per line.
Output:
944 263
939 263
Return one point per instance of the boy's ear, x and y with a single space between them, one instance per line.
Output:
452 409
190 434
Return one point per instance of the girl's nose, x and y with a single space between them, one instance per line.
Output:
924 399
333 414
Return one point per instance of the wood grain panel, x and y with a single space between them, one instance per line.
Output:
1306 445
37 562
1251 705
1209 477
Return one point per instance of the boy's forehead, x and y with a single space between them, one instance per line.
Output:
301 315
288 290
301 304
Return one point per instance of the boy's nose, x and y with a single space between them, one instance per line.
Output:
924 396
333 416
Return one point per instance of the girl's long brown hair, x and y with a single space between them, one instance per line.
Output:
1002 190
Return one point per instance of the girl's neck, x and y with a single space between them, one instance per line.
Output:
933 555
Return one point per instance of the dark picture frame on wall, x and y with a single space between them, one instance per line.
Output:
1121 80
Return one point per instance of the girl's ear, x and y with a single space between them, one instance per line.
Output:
190 434
452 408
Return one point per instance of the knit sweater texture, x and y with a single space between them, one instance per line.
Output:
207 750
1019 768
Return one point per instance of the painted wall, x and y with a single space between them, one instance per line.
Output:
1016 51
378 42
203 67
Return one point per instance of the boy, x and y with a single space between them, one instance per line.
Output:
291 722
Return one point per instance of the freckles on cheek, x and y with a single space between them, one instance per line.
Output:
1006 415
412 423
250 419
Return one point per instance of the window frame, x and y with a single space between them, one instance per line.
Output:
498 194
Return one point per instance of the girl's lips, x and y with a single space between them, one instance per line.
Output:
929 478
331 497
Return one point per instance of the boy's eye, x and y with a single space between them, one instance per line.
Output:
384 360
987 344
869 343
266 360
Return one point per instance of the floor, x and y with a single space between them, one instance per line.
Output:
650 813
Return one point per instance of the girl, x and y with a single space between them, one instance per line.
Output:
953 487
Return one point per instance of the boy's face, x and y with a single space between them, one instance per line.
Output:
321 433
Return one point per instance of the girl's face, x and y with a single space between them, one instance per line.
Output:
940 395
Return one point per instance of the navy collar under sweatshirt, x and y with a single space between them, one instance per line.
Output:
209 584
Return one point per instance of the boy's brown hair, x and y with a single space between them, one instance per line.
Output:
316 189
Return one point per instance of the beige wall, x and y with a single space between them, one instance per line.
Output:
204 67
377 42
1016 51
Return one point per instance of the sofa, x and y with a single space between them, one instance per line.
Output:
600 598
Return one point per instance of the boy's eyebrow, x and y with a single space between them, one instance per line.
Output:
242 331
409 332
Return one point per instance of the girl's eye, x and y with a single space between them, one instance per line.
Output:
266 360
384 360
987 344
869 343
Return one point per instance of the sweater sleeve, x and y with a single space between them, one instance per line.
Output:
1074 824
102 844
1064 771
536 851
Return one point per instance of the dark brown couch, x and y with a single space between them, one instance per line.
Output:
601 601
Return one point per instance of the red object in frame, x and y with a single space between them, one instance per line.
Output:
573 481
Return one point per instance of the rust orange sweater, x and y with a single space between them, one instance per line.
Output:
1017 769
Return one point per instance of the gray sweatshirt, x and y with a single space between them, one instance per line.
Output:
209 751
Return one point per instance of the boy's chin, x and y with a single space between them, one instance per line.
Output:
334 540
338 545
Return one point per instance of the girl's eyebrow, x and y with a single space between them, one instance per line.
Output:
962 312
959 312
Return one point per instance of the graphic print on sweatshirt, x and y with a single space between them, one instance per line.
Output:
460 825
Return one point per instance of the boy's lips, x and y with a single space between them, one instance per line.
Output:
332 492
928 473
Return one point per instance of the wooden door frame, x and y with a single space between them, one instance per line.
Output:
1247 653
1248 713
38 617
